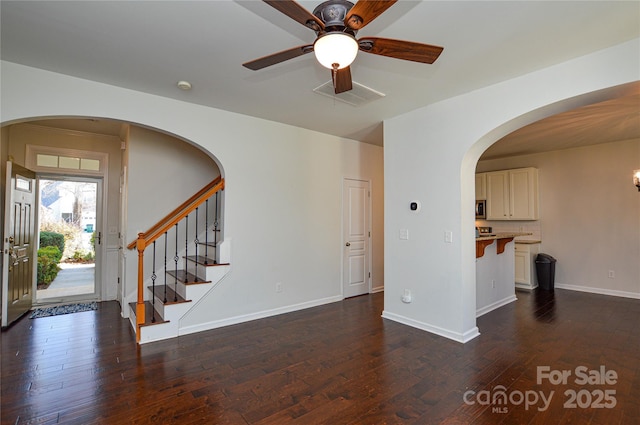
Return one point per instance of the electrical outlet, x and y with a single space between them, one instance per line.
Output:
279 287
493 283
612 274
406 297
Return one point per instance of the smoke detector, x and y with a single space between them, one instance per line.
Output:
184 85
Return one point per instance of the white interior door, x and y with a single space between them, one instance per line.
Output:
356 235
19 243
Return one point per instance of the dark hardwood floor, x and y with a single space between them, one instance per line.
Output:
335 364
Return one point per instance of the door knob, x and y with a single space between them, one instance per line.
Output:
348 243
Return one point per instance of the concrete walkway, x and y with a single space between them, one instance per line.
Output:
72 279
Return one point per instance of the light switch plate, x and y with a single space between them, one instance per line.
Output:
404 234
448 236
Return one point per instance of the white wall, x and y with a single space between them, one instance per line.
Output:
283 187
431 155
589 214
159 165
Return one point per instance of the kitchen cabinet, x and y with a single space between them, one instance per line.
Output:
525 268
481 186
512 194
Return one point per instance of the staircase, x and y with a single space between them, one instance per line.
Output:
184 265
165 307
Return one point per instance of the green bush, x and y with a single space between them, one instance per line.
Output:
48 259
52 252
52 239
82 256
70 232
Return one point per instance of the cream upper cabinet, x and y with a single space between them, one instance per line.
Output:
523 192
498 195
481 186
512 194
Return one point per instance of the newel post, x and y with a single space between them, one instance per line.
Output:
140 313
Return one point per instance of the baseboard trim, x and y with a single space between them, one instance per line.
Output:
600 291
186 330
495 305
377 289
455 336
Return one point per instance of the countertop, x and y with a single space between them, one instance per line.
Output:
527 242
494 236
502 240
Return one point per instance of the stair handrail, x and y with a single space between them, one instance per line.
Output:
146 238
201 196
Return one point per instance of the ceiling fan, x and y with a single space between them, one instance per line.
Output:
336 23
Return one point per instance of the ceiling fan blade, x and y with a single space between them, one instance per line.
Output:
365 11
399 49
296 12
341 80
278 57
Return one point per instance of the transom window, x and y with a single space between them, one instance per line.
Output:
55 160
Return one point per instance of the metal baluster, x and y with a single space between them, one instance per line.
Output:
215 233
175 260
165 267
153 285
195 241
186 243
206 231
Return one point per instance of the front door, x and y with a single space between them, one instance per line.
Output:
72 205
356 234
19 243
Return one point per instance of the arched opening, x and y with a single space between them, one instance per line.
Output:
147 172
584 148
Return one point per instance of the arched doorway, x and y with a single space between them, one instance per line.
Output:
124 147
595 133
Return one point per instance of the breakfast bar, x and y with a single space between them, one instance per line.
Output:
495 270
502 239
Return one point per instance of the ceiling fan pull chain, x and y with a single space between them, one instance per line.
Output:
334 73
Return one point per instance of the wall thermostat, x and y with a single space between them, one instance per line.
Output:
414 206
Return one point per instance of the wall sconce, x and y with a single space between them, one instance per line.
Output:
636 179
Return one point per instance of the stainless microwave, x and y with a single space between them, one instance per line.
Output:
481 209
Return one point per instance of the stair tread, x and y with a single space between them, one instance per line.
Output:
204 261
172 296
148 314
186 277
210 243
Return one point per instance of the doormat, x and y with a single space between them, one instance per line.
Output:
63 309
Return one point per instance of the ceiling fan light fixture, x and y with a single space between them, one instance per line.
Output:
336 48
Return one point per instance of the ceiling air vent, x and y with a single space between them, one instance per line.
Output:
357 96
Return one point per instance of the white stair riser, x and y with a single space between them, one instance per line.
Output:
201 271
158 332
172 313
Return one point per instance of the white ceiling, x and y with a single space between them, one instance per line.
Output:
150 45
611 120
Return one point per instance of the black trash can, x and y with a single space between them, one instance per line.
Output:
546 271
